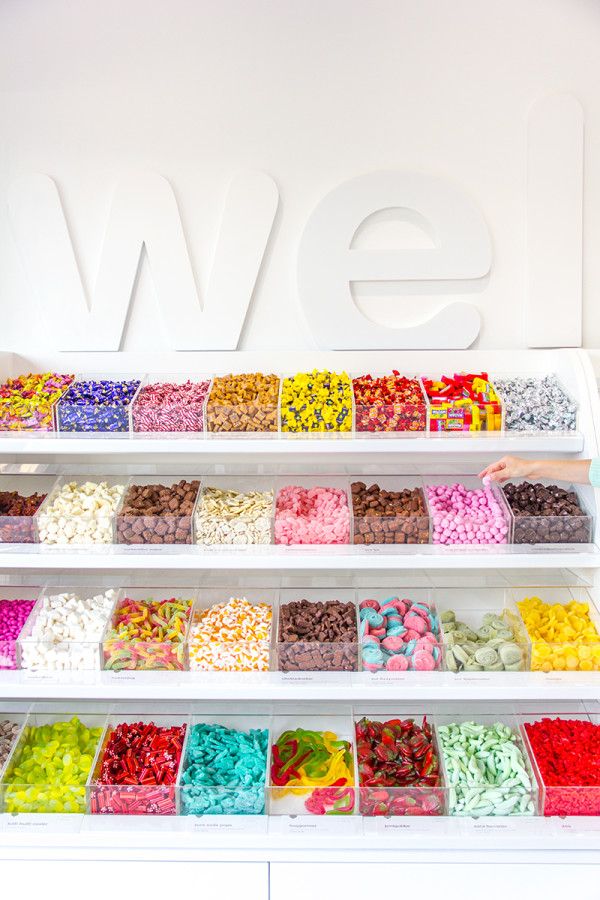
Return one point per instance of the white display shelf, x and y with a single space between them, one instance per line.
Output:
313 838
68 445
335 558
127 686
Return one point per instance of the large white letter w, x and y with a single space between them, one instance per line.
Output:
143 213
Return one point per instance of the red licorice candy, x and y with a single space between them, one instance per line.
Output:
138 770
398 768
389 403
567 753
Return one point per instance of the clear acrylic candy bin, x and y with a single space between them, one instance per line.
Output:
390 419
390 526
565 799
314 655
473 608
148 654
228 651
452 417
560 655
551 529
313 798
253 413
37 653
132 799
245 518
292 423
153 414
481 796
169 527
493 529
522 415
20 529
297 518
93 417
67 526
9 655
60 793
428 797
248 797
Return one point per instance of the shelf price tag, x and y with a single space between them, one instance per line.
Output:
400 826
316 825
38 823
577 825
227 824
509 825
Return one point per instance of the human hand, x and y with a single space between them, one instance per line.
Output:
508 467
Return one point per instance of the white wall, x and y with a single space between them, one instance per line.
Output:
312 92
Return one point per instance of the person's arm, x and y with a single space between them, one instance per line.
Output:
577 471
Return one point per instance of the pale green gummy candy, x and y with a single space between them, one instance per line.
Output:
486 770
486 656
491 648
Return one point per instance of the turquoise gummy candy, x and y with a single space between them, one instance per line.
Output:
50 768
224 771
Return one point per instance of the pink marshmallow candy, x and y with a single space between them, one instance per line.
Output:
464 516
317 515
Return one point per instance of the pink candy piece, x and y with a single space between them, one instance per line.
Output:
13 615
423 661
393 644
463 516
415 623
368 604
378 632
397 663
318 515
170 407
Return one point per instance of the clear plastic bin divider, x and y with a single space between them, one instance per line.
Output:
20 529
120 653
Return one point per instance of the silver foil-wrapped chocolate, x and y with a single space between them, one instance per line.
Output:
534 403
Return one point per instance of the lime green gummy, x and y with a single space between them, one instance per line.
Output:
50 769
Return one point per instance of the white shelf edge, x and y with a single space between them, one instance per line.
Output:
273 686
174 839
42 445
111 557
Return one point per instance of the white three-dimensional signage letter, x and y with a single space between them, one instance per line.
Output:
327 263
144 212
